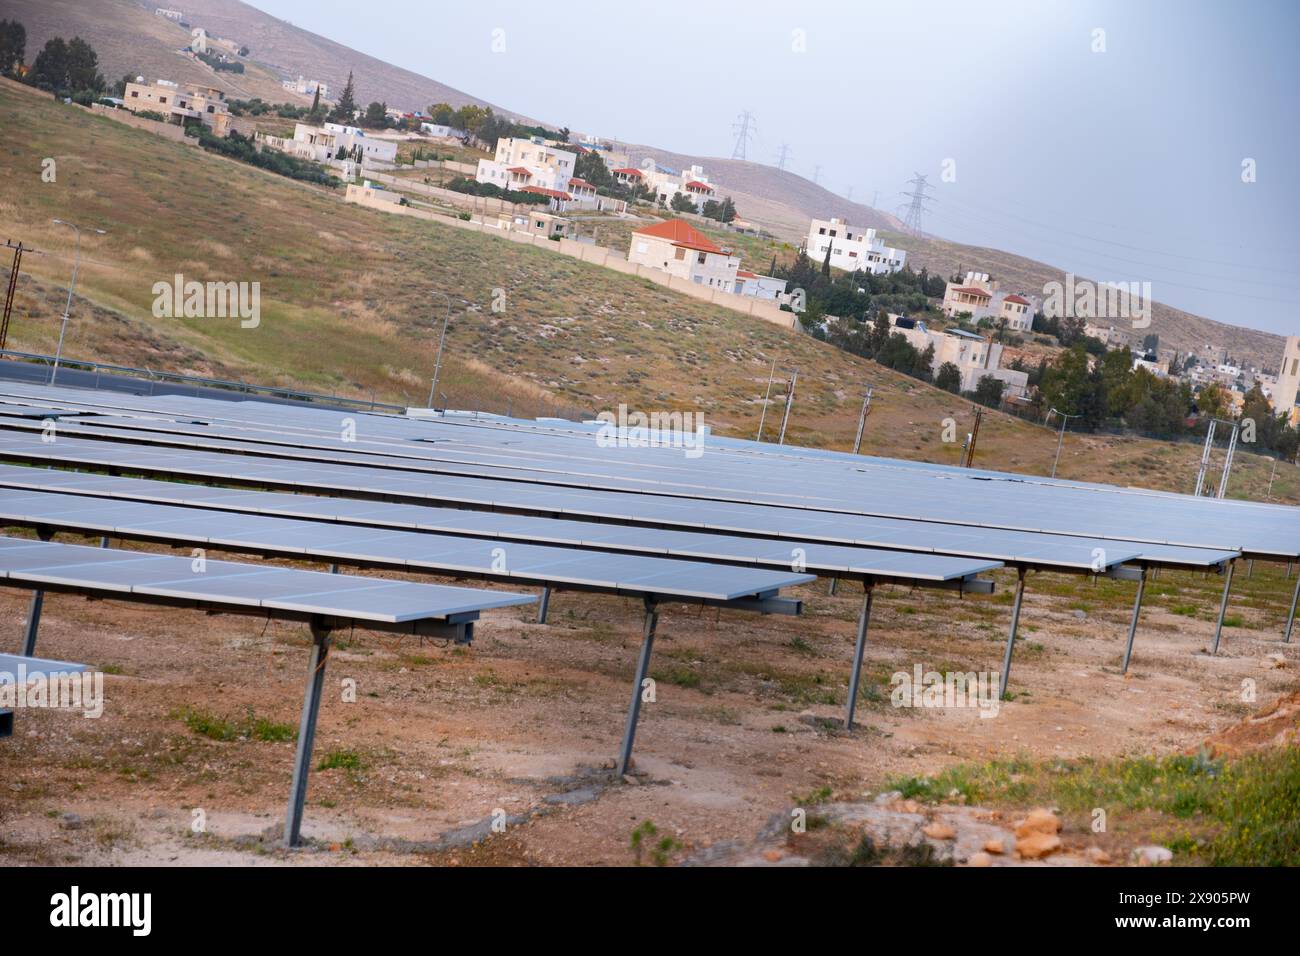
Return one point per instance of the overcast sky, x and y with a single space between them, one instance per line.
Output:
1117 155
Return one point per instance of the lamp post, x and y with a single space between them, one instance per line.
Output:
1061 440
67 307
437 365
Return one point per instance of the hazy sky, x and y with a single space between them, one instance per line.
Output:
1120 165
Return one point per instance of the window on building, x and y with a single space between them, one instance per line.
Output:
700 258
680 254
162 99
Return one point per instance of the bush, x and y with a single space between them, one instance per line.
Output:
240 147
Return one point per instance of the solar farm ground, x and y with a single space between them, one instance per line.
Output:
201 712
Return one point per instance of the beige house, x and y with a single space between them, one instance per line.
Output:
1288 382
979 296
522 163
537 223
678 248
180 104
974 356
322 144
1112 337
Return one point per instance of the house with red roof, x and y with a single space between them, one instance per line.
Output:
678 248
530 165
978 296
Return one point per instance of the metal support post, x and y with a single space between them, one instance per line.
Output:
1133 625
855 677
320 650
638 687
1011 634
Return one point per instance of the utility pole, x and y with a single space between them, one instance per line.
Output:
766 398
67 307
744 128
437 364
912 222
862 420
9 292
973 437
1061 440
789 402
782 155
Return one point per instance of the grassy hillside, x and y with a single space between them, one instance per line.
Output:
347 306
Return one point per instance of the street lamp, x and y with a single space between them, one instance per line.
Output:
67 307
1061 440
437 365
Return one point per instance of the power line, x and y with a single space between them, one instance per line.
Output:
744 128
912 222
782 155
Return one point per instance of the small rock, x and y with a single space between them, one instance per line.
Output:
1038 821
1097 855
630 780
71 821
773 855
980 859
939 831
1274 662
909 806
1081 615
1035 846
1152 855
996 847
888 797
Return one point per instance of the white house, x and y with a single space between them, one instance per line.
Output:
666 183
974 356
438 129
677 247
307 87
759 286
851 249
321 144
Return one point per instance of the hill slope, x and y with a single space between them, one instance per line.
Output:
347 305
131 38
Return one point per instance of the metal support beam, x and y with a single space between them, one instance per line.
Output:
834 586
34 609
855 677
1290 620
1223 605
320 650
1133 625
642 667
1011 634
543 605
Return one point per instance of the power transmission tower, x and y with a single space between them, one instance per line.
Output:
912 222
817 174
875 199
849 197
782 155
744 128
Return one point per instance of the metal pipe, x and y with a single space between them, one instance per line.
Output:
862 420
1223 605
320 649
767 397
855 677
1133 625
543 605
642 666
1290 620
789 403
437 365
1011 634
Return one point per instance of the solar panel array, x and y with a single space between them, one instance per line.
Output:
575 461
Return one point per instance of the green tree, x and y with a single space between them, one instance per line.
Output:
441 114
315 105
83 67
948 378
681 202
376 116
50 69
13 45
988 391
346 107
826 263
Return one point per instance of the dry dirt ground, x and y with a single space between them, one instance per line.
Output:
524 724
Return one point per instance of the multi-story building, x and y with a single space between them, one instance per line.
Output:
851 249
974 356
1108 335
522 163
677 247
978 296
179 104
1285 400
